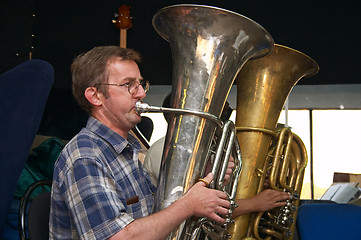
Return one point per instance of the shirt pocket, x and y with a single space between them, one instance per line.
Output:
135 210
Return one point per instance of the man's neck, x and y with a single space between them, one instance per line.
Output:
101 118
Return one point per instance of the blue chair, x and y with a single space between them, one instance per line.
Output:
24 92
329 221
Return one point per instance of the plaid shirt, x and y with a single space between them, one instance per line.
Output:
99 185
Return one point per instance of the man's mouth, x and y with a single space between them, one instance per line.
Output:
136 107
136 112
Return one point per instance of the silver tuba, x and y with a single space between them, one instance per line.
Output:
209 46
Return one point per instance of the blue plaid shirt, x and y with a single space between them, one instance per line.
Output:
99 185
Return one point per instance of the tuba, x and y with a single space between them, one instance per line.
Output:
209 46
263 86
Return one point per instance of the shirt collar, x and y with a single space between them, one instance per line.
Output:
114 139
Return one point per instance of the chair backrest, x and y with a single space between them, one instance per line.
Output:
329 221
24 92
34 223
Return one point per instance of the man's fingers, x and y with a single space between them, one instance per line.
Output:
218 218
207 179
231 164
222 211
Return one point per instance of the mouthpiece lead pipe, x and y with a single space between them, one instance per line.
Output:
142 107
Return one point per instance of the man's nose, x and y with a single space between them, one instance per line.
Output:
140 92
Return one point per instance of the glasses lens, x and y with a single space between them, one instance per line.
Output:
133 86
145 85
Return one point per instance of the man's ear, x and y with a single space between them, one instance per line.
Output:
93 96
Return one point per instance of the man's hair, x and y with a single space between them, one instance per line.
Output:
91 69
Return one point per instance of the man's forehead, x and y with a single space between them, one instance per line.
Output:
116 62
112 67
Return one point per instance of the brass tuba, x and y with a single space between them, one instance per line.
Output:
263 86
209 46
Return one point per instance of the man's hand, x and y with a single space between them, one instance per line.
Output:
264 201
229 170
269 199
206 202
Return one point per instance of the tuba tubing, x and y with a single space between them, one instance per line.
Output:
263 86
227 145
209 46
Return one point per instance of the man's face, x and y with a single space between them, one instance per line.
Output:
119 108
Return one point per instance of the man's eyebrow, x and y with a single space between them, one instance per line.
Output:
129 79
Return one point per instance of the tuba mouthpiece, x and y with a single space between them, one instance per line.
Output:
142 107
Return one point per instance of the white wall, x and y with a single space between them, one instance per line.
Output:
301 97
335 133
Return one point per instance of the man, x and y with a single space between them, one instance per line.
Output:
264 201
100 190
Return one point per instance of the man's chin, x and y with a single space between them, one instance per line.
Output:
137 118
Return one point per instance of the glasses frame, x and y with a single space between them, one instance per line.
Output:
144 83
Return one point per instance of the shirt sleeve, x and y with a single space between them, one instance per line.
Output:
94 203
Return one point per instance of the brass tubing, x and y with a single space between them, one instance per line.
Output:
263 86
286 162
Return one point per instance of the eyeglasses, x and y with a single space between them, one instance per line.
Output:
132 86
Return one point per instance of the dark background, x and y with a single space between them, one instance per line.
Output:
56 31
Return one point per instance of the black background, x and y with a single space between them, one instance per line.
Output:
327 31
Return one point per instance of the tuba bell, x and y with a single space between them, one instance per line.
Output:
263 86
209 46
